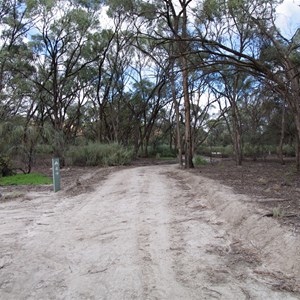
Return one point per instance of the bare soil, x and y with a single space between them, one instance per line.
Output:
272 186
143 232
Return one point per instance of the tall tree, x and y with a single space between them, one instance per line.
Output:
14 26
178 24
62 47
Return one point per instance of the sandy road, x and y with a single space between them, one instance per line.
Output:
143 233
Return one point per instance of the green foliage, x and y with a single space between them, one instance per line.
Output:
199 161
148 9
255 151
72 75
212 9
164 151
288 150
25 179
270 149
95 154
35 5
251 150
19 142
90 4
161 151
117 6
42 149
5 166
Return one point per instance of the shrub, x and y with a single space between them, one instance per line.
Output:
160 151
164 151
288 150
250 150
95 154
44 149
277 212
6 168
254 150
227 151
199 161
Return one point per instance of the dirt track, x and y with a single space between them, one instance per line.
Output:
144 233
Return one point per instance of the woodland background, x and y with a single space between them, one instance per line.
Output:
102 82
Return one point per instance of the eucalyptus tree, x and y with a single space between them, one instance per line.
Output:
16 102
178 119
106 91
235 88
62 50
167 27
177 21
108 86
254 111
282 57
280 128
244 34
14 27
147 101
100 80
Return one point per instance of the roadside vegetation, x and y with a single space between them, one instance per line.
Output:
200 161
25 179
95 154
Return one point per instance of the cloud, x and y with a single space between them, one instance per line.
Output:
288 17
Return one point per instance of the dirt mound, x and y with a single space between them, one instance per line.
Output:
276 247
272 186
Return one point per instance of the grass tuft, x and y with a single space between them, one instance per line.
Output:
277 212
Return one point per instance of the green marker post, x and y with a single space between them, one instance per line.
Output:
56 174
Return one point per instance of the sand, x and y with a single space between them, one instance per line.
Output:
153 232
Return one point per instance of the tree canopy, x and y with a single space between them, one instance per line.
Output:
145 73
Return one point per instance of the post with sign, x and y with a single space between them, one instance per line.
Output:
56 174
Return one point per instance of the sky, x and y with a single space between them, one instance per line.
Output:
288 17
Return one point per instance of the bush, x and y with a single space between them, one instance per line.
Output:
270 149
251 150
199 161
95 154
164 151
160 152
288 150
255 151
6 168
44 149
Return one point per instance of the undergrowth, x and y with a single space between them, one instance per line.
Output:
96 154
199 161
25 179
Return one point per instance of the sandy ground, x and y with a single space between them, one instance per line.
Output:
152 232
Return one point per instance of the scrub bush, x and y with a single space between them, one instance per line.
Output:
96 154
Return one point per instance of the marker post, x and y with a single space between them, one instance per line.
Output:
56 174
